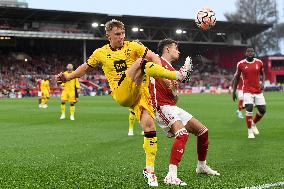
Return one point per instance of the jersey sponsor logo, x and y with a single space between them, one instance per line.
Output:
120 66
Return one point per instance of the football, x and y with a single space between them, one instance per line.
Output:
205 18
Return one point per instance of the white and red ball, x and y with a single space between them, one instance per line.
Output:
205 18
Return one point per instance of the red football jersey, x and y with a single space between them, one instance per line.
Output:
38 84
240 84
251 75
161 94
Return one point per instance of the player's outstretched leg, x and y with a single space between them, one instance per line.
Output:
178 148
197 128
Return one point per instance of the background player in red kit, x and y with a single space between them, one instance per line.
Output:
39 93
175 121
240 98
252 70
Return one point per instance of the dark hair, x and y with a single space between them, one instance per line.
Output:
165 43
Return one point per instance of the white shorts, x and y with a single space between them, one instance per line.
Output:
256 99
240 94
39 93
167 115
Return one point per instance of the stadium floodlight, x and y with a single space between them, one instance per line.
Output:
135 29
141 29
102 25
178 31
26 59
95 24
183 31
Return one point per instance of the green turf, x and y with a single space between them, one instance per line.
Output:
40 151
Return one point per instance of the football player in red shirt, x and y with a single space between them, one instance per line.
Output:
252 71
175 121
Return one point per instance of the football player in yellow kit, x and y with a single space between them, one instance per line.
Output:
124 65
69 93
45 89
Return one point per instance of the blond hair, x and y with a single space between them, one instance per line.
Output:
113 23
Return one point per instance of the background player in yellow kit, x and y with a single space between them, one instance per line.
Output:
69 94
45 89
124 66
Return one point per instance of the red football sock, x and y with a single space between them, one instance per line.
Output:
178 147
202 145
240 106
257 117
249 119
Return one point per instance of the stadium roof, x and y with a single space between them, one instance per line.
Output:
24 15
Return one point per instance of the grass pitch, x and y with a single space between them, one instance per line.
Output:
40 151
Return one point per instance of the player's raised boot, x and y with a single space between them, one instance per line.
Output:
44 106
171 179
130 132
151 177
250 133
72 118
185 71
62 116
254 129
40 106
205 169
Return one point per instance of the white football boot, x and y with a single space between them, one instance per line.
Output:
72 118
250 133
206 170
62 116
130 132
185 71
151 177
254 128
172 179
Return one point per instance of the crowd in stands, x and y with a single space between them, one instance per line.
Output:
19 73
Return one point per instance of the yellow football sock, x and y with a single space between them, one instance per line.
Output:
131 120
46 100
155 70
43 101
63 108
72 110
150 147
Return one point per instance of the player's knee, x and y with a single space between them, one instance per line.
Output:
182 135
63 103
72 104
262 110
249 107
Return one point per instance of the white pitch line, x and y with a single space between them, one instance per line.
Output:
265 185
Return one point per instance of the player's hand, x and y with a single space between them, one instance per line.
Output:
234 96
61 78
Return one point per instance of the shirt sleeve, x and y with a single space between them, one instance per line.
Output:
140 49
95 58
